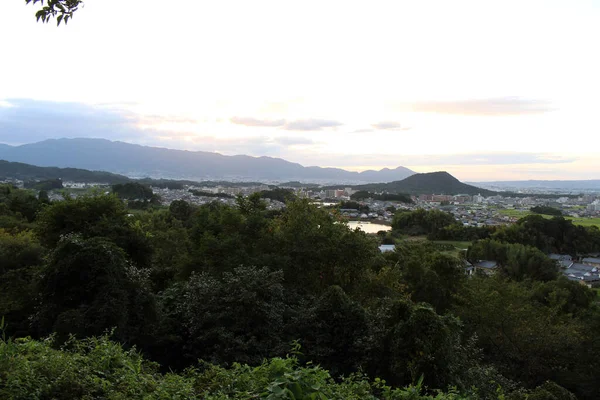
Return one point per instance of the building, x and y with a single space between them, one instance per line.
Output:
585 274
478 199
387 247
564 260
330 194
593 261
594 206
485 266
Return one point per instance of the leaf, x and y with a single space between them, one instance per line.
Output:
60 17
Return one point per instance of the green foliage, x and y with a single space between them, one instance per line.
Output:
336 255
557 235
429 183
429 276
546 210
516 261
422 222
210 194
354 205
233 284
181 210
49 184
98 216
236 318
18 203
25 172
62 10
334 332
89 287
97 368
21 258
19 251
525 331
460 232
139 196
279 194
363 194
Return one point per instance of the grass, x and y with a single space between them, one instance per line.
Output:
586 221
576 221
456 243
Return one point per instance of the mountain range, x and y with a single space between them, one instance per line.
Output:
143 161
428 183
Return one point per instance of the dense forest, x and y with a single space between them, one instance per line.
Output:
218 302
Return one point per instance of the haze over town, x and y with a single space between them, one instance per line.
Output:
486 91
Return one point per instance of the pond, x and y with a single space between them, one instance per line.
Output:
368 227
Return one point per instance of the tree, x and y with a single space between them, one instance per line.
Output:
546 210
422 222
181 209
316 251
516 261
236 318
88 287
411 340
62 10
430 276
97 216
528 340
334 332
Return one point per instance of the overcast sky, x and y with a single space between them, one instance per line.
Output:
485 90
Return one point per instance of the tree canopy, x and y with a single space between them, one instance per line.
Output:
236 285
62 10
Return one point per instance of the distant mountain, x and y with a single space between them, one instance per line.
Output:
429 183
143 161
592 184
25 172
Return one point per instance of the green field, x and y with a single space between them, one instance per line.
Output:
576 221
458 244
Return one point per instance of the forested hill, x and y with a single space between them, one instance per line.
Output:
17 170
430 183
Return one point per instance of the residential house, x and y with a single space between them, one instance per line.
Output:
594 261
486 266
585 274
564 260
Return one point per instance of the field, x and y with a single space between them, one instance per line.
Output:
458 246
455 243
576 221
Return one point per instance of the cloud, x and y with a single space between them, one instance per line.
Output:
26 121
249 121
498 106
470 159
389 126
385 125
311 124
293 141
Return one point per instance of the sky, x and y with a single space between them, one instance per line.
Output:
486 90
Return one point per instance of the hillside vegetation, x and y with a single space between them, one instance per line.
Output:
27 172
429 183
100 302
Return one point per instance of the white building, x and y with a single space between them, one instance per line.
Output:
595 206
478 198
